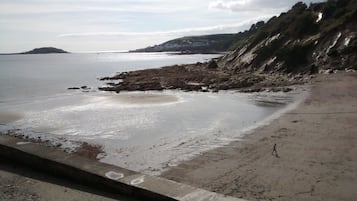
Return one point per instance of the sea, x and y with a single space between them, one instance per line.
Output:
147 132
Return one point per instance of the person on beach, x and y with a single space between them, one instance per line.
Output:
275 151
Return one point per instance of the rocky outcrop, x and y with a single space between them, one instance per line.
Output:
212 64
196 77
285 50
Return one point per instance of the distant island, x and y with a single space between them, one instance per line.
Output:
41 50
45 50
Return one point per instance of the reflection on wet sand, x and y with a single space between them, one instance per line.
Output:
145 98
271 99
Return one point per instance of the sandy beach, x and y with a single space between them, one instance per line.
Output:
316 146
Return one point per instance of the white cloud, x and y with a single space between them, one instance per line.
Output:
254 5
229 5
16 7
87 24
226 28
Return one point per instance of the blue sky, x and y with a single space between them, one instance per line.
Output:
111 25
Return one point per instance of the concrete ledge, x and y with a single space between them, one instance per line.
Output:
100 175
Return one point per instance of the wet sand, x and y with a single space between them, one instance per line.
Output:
145 98
316 148
8 117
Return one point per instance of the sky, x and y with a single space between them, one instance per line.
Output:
116 25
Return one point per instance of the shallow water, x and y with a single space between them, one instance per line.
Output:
143 131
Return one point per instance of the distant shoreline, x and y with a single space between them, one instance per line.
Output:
122 52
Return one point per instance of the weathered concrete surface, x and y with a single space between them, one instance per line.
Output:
100 175
20 183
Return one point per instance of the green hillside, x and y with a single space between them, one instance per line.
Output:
194 44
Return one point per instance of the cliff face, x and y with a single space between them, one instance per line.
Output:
303 40
284 51
194 44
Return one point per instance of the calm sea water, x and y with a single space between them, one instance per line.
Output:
26 76
143 131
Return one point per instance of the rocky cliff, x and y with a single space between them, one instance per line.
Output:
285 50
303 40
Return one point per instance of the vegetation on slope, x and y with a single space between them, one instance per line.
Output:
194 44
321 34
283 51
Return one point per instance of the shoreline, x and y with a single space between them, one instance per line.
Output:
311 166
187 148
315 144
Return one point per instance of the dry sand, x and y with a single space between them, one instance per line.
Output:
316 144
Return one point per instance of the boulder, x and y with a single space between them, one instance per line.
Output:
212 64
73 88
